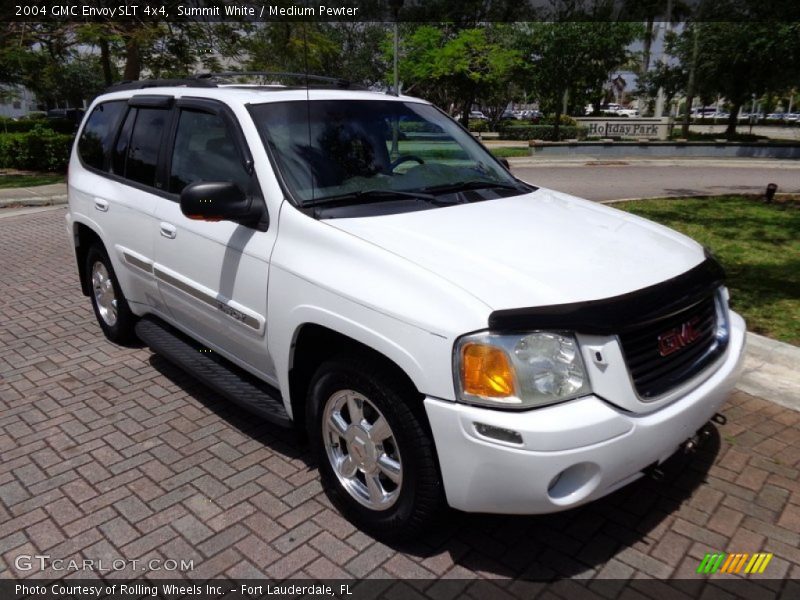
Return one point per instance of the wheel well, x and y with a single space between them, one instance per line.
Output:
313 345
84 239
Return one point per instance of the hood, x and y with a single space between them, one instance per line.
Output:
536 249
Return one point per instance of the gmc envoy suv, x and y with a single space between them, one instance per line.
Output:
358 266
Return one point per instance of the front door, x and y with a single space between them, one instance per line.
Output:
213 276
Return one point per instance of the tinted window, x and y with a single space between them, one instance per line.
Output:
205 150
98 134
144 145
121 149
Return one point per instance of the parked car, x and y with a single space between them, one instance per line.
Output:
476 114
441 330
71 114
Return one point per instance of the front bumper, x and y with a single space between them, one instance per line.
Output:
571 453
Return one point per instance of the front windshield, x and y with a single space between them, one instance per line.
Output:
335 149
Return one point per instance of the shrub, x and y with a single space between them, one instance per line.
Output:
542 132
563 120
478 125
24 125
39 149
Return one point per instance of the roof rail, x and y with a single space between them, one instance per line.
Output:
208 80
140 84
303 78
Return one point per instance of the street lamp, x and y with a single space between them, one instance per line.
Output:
396 5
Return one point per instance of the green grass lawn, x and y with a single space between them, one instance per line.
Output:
510 151
757 243
15 180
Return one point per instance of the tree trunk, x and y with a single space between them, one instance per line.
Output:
557 123
467 108
647 42
690 85
133 59
598 102
733 119
105 62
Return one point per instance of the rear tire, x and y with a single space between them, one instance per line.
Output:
110 306
376 460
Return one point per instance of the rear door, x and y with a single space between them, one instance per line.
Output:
119 149
213 276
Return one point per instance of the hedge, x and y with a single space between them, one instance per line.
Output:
542 132
24 125
37 150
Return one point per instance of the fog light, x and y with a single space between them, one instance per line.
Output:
498 433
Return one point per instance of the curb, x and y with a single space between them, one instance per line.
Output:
650 161
770 371
682 197
34 201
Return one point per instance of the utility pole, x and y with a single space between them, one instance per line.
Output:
396 5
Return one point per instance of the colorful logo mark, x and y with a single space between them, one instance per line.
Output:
720 562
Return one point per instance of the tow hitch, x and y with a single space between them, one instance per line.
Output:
690 446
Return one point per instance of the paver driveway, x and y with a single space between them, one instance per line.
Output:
112 453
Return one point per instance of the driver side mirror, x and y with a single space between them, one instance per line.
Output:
219 201
504 162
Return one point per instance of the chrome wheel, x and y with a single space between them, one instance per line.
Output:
362 449
104 295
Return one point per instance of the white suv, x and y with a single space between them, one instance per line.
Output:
358 265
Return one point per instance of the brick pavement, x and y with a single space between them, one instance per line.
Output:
111 453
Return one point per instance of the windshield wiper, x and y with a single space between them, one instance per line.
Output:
372 196
472 184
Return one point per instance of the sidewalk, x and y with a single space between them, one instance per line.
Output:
40 195
771 371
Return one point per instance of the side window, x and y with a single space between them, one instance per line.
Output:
97 136
205 150
144 145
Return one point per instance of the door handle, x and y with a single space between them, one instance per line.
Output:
100 204
168 230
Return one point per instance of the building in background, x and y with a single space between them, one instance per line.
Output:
16 101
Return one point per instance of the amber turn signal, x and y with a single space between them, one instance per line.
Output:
486 371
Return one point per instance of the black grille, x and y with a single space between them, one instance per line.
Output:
653 373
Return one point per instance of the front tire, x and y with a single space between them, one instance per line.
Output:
110 306
376 459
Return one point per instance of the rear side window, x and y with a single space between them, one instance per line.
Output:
145 142
97 136
205 150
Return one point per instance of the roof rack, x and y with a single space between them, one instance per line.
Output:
304 78
140 84
207 80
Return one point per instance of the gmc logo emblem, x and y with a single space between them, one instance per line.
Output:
679 337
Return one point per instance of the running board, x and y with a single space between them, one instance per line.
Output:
214 371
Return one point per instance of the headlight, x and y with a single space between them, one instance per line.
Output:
519 370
